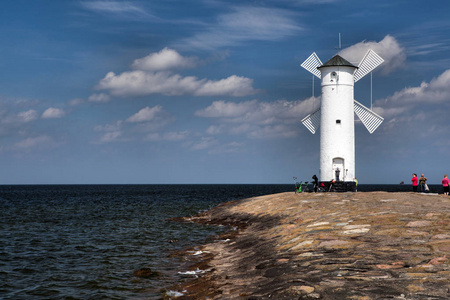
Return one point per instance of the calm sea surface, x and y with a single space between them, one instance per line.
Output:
85 241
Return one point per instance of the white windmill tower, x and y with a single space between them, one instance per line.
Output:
335 117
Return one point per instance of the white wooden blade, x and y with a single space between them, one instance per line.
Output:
311 64
369 118
370 61
312 121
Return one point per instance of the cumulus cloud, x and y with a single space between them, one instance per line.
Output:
437 91
140 83
110 137
257 119
53 113
246 24
100 98
143 125
389 49
222 109
33 142
27 116
112 132
146 114
204 143
258 112
166 59
115 126
235 86
153 75
76 101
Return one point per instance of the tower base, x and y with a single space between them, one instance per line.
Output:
339 186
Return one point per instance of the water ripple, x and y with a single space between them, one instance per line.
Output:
84 242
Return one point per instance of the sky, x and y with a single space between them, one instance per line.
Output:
211 91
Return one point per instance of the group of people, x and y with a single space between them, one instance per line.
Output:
422 184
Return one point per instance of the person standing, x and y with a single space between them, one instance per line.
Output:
316 183
415 182
422 183
445 184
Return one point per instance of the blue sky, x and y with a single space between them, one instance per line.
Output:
212 91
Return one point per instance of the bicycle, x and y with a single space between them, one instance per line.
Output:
303 187
323 188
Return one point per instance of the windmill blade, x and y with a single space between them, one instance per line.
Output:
369 118
312 121
311 64
370 61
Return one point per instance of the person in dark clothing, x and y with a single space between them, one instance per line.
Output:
316 183
337 174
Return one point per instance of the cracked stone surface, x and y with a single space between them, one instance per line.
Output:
374 245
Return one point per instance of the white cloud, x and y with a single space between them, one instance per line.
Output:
119 8
146 124
258 112
222 109
235 86
113 132
76 101
53 113
204 143
153 75
417 113
278 119
437 91
166 59
176 136
33 142
146 114
110 137
27 116
389 49
140 83
100 98
169 136
246 24
116 126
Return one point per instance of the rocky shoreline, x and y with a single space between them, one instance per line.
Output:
373 245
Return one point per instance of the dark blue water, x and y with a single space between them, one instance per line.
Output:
84 242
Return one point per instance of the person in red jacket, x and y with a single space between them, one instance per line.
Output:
445 184
415 182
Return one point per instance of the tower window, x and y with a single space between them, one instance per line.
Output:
338 121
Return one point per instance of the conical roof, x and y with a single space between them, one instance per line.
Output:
337 61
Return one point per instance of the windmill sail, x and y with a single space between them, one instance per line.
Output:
312 121
311 64
370 61
369 118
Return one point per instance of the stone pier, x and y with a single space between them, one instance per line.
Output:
361 246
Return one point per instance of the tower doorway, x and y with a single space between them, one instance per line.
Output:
338 169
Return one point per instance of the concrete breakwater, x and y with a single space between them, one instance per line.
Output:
373 245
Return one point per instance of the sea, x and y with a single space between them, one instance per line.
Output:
85 241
